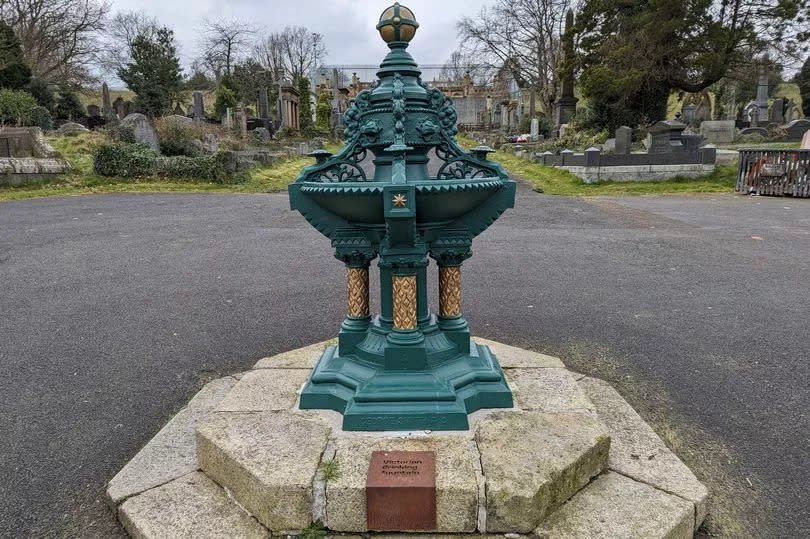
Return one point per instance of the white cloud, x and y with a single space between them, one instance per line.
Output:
347 25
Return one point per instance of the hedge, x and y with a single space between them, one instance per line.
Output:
127 160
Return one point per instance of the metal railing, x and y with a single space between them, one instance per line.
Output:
774 172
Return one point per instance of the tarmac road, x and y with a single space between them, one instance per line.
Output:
116 309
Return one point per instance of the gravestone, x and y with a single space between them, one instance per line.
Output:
241 116
199 108
226 118
264 104
791 112
609 146
142 128
624 140
806 141
762 96
703 111
777 111
119 107
689 114
666 136
753 115
754 131
178 118
796 129
718 131
72 128
210 143
93 111
535 129
106 104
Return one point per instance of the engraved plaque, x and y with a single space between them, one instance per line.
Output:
401 491
773 169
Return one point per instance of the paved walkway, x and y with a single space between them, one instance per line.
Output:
117 308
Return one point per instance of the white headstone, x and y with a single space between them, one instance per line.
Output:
806 140
535 129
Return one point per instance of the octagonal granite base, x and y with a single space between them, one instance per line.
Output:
572 459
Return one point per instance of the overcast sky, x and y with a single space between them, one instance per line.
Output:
347 25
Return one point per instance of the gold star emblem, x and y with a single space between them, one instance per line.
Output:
399 200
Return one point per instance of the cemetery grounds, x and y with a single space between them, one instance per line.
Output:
275 176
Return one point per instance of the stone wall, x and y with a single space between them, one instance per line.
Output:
640 173
470 110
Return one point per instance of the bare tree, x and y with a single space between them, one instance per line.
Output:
58 37
303 50
522 37
269 52
291 53
462 63
119 35
224 41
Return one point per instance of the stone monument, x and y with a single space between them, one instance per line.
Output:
106 104
566 105
142 128
199 107
624 140
762 96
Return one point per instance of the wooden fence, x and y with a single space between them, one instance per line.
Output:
774 172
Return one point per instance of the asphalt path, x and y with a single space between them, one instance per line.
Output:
116 309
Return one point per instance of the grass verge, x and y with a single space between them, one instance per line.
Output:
556 181
81 180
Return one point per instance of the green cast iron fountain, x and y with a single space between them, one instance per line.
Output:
405 369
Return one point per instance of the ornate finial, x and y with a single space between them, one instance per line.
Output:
397 25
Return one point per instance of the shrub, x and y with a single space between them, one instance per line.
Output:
177 137
41 117
68 105
16 107
42 92
122 133
223 167
181 166
225 99
124 160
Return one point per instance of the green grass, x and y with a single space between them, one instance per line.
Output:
276 176
556 181
81 180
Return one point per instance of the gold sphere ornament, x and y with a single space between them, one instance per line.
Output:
397 24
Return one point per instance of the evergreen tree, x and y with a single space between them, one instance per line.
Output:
323 112
304 106
154 73
42 92
225 99
246 78
634 53
803 82
68 105
14 73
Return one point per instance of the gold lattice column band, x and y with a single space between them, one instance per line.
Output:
357 285
449 291
404 301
